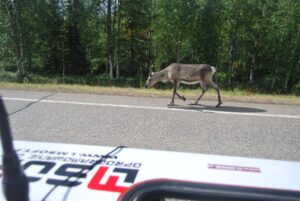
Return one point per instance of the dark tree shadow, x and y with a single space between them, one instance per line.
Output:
221 108
30 104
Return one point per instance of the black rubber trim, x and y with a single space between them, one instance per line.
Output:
155 190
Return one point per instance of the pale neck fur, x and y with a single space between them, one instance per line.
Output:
161 76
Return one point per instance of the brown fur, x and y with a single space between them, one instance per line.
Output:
187 74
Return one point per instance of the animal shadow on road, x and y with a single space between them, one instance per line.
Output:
201 108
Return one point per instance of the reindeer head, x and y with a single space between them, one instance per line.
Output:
152 80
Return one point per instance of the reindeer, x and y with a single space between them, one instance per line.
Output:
188 74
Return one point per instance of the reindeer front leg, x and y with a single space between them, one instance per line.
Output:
204 88
175 85
219 97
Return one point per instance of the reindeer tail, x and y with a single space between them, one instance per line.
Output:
214 70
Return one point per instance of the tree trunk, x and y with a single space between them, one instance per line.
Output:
20 57
286 82
253 61
293 63
116 47
232 48
277 64
230 67
178 52
274 79
178 46
63 61
109 39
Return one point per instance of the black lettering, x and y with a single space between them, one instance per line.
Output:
119 163
131 174
137 165
128 165
46 167
110 163
64 170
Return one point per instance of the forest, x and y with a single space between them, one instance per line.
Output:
254 44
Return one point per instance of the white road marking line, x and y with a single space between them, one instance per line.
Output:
153 108
96 104
252 114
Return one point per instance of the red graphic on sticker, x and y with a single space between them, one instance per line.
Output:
111 183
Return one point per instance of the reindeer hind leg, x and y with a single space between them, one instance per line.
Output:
180 96
215 86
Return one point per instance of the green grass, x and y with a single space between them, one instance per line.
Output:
232 95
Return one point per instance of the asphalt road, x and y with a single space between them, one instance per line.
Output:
236 129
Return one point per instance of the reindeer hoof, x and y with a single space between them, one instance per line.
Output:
183 98
219 104
171 104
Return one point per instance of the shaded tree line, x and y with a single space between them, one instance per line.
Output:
253 43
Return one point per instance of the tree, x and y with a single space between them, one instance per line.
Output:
15 13
110 38
76 54
135 30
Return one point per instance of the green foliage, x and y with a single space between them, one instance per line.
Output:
254 43
92 80
296 89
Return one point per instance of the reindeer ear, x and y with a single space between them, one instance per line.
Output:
151 68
